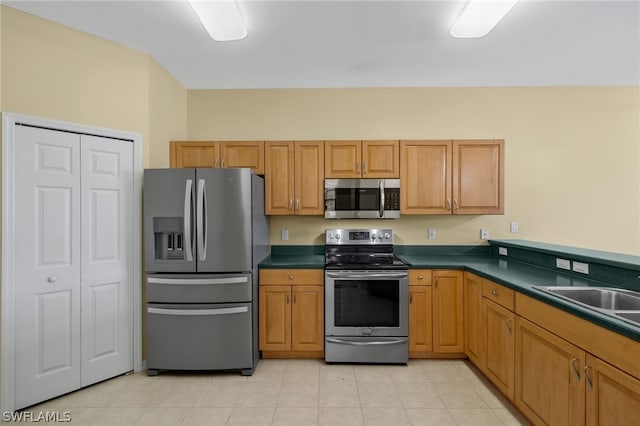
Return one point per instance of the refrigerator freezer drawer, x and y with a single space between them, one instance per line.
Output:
200 288
199 336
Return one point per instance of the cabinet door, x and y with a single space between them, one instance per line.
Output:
613 397
193 154
279 178
478 177
309 178
307 318
275 318
499 342
425 175
342 159
380 159
243 154
549 386
420 319
473 325
448 334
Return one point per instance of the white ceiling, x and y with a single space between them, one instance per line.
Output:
359 43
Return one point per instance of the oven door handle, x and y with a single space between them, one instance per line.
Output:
365 276
351 343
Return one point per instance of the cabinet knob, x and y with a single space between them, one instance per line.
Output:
494 292
420 277
290 277
52 279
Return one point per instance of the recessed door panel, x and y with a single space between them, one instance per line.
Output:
47 264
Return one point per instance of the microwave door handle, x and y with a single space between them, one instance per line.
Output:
187 220
381 185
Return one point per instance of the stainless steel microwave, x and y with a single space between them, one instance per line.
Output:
361 198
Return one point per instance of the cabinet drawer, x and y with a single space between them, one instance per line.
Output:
292 276
420 277
499 294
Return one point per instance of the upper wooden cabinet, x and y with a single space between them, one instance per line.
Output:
294 178
452 177
366 159
218 154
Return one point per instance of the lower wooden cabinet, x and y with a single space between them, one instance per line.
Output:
291 313
613 397
499 343
420 320
473 319
549 385
448 323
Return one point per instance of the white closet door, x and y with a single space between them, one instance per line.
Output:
107 258
47 272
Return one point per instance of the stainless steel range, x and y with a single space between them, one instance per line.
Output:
366 298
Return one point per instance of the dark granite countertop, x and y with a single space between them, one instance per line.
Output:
517 275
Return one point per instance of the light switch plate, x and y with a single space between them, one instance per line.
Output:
563 264
431 234
502 251
484 234
284 234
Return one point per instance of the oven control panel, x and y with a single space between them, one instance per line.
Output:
358 236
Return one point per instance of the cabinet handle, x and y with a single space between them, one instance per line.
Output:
586 374
222 163
287 298
364 168
357 167
297 203
294 298
494 292
215 164
575 369
437 279
455 204
410 298
508 323
448 204
290 203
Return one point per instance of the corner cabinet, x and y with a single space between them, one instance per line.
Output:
452 177
218 154
362 159
294 178
291 320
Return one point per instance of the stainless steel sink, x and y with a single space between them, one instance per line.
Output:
616 302
604 298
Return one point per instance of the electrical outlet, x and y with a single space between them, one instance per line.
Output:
431 234
284 234
583 268
502 251
484 234
514 227
563 264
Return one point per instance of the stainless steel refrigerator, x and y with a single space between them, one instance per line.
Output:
205 231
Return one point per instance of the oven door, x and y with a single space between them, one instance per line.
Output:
366 303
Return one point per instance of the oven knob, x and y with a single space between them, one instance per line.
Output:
373 236
387 236
337 236
330 236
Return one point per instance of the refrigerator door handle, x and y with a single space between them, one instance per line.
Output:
201 220
187 220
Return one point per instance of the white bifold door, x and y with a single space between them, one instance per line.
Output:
74 268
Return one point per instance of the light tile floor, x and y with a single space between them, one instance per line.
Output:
296 392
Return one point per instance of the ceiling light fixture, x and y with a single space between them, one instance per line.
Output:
479 17
221 18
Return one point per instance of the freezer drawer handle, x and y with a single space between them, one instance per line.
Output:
350 343
194 312
198 281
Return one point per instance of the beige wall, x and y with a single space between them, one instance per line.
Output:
572 154
55 72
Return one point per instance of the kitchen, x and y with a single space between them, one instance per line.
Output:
586 138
